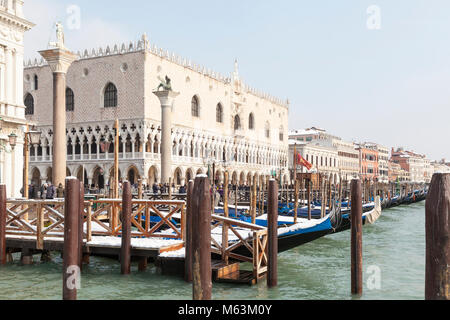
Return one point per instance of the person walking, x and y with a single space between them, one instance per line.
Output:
51 192
31 192
44 191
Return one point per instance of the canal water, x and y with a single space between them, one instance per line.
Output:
393 258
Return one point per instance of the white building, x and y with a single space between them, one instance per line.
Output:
417 165
215 118
12 110
383 163
324 159
440 167
383 160
348 156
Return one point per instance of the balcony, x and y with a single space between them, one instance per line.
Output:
12 111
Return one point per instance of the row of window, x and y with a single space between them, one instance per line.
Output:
195 112
328 161
110 99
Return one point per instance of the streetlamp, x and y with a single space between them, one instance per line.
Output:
12 140
32 137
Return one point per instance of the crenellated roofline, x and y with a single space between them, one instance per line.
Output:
143 45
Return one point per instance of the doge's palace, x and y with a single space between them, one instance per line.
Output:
12 110
215 119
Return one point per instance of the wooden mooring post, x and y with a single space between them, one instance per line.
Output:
189 230
226 214
71 269
253 197
297 187
272 212
356 237
125 249
140 189
3 217
80 227
437 274
308 191
201 239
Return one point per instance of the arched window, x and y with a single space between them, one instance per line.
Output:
110 96
281 135
195 108
251 122
237 123
70 100
267 130
219 113
36 82
29 104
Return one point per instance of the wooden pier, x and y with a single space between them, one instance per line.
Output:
158 229
37 226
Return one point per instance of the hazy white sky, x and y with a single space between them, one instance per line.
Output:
388 85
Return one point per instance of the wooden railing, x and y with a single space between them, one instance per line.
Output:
45 219
40 219
162 197
252 247
107 217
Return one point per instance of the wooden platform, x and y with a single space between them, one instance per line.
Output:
57 244
240 277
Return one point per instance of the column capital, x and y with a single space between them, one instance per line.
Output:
166 97
58 59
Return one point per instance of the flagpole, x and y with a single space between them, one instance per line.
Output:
295 159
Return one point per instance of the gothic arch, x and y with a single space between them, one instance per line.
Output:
189 175
178 176
152 175
133 175
36 177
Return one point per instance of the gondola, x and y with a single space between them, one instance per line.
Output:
368 217
292 235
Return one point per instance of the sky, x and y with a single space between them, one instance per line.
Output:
375 70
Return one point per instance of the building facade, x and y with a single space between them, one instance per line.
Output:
216 119
440 167
417 165
324 159
13 25
368 161
383 163
348 156
397 173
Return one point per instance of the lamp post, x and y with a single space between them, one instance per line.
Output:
32 137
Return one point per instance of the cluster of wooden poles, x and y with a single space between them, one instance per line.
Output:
198 236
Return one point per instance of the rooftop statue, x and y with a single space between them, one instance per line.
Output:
165 84
59 37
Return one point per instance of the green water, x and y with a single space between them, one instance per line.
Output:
318 270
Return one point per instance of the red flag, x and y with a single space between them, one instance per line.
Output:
303 162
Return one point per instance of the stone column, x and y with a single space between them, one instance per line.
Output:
59 61
167 99
8 76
